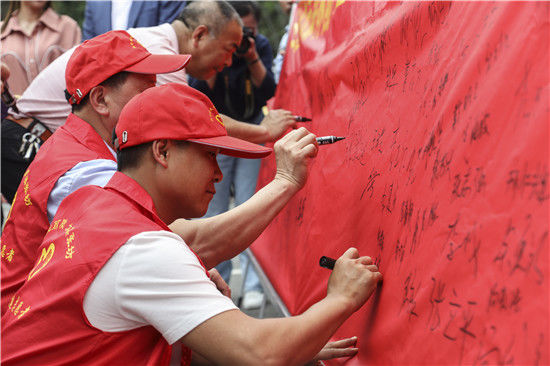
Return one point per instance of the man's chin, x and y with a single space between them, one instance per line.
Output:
200 74
203 210
203 75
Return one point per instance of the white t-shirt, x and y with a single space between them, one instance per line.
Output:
153 279
45 97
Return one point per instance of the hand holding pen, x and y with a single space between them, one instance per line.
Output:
354 278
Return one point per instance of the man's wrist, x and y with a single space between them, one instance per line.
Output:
253 61
264 135
342 303
289 183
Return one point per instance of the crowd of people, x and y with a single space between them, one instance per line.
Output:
111 157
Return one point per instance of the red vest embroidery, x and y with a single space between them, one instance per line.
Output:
45 322
74 142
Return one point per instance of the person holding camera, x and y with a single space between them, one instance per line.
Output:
240 91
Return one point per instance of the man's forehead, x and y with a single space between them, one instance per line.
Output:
231 32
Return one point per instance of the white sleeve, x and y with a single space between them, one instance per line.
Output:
153 279
44 98
161 40
179 77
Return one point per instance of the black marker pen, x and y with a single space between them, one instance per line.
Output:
328 139
301 119
327 262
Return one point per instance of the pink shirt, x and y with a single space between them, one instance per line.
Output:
28 54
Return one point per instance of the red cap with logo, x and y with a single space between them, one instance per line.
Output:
101 57
179 112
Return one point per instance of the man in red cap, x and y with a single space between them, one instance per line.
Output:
82 153
115 286
103 74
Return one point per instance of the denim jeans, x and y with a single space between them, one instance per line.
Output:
241 175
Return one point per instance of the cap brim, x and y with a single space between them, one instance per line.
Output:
159 64
235 147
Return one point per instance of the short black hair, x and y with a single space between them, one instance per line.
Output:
130 157
245 8
114 81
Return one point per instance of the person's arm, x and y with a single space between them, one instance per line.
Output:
259 60
233 337
266 88
338 349
255 64
243 224
246 131
198 360
272 127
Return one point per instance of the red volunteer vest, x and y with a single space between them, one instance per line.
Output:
45 322
27 223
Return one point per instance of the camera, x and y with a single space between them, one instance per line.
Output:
245 43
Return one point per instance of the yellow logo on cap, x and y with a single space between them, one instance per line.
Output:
134 42
216 116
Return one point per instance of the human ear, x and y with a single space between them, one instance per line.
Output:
97 100
160 152
199 33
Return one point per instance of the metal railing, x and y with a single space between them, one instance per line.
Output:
268 288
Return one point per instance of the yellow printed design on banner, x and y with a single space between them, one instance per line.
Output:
17 307
312 20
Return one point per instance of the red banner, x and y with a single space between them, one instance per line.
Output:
442 177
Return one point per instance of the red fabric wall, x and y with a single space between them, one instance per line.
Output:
443 176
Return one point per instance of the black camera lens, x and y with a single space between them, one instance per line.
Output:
245 43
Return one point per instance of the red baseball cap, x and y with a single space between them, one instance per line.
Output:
99 58
179 112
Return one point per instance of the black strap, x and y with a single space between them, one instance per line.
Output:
248 96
